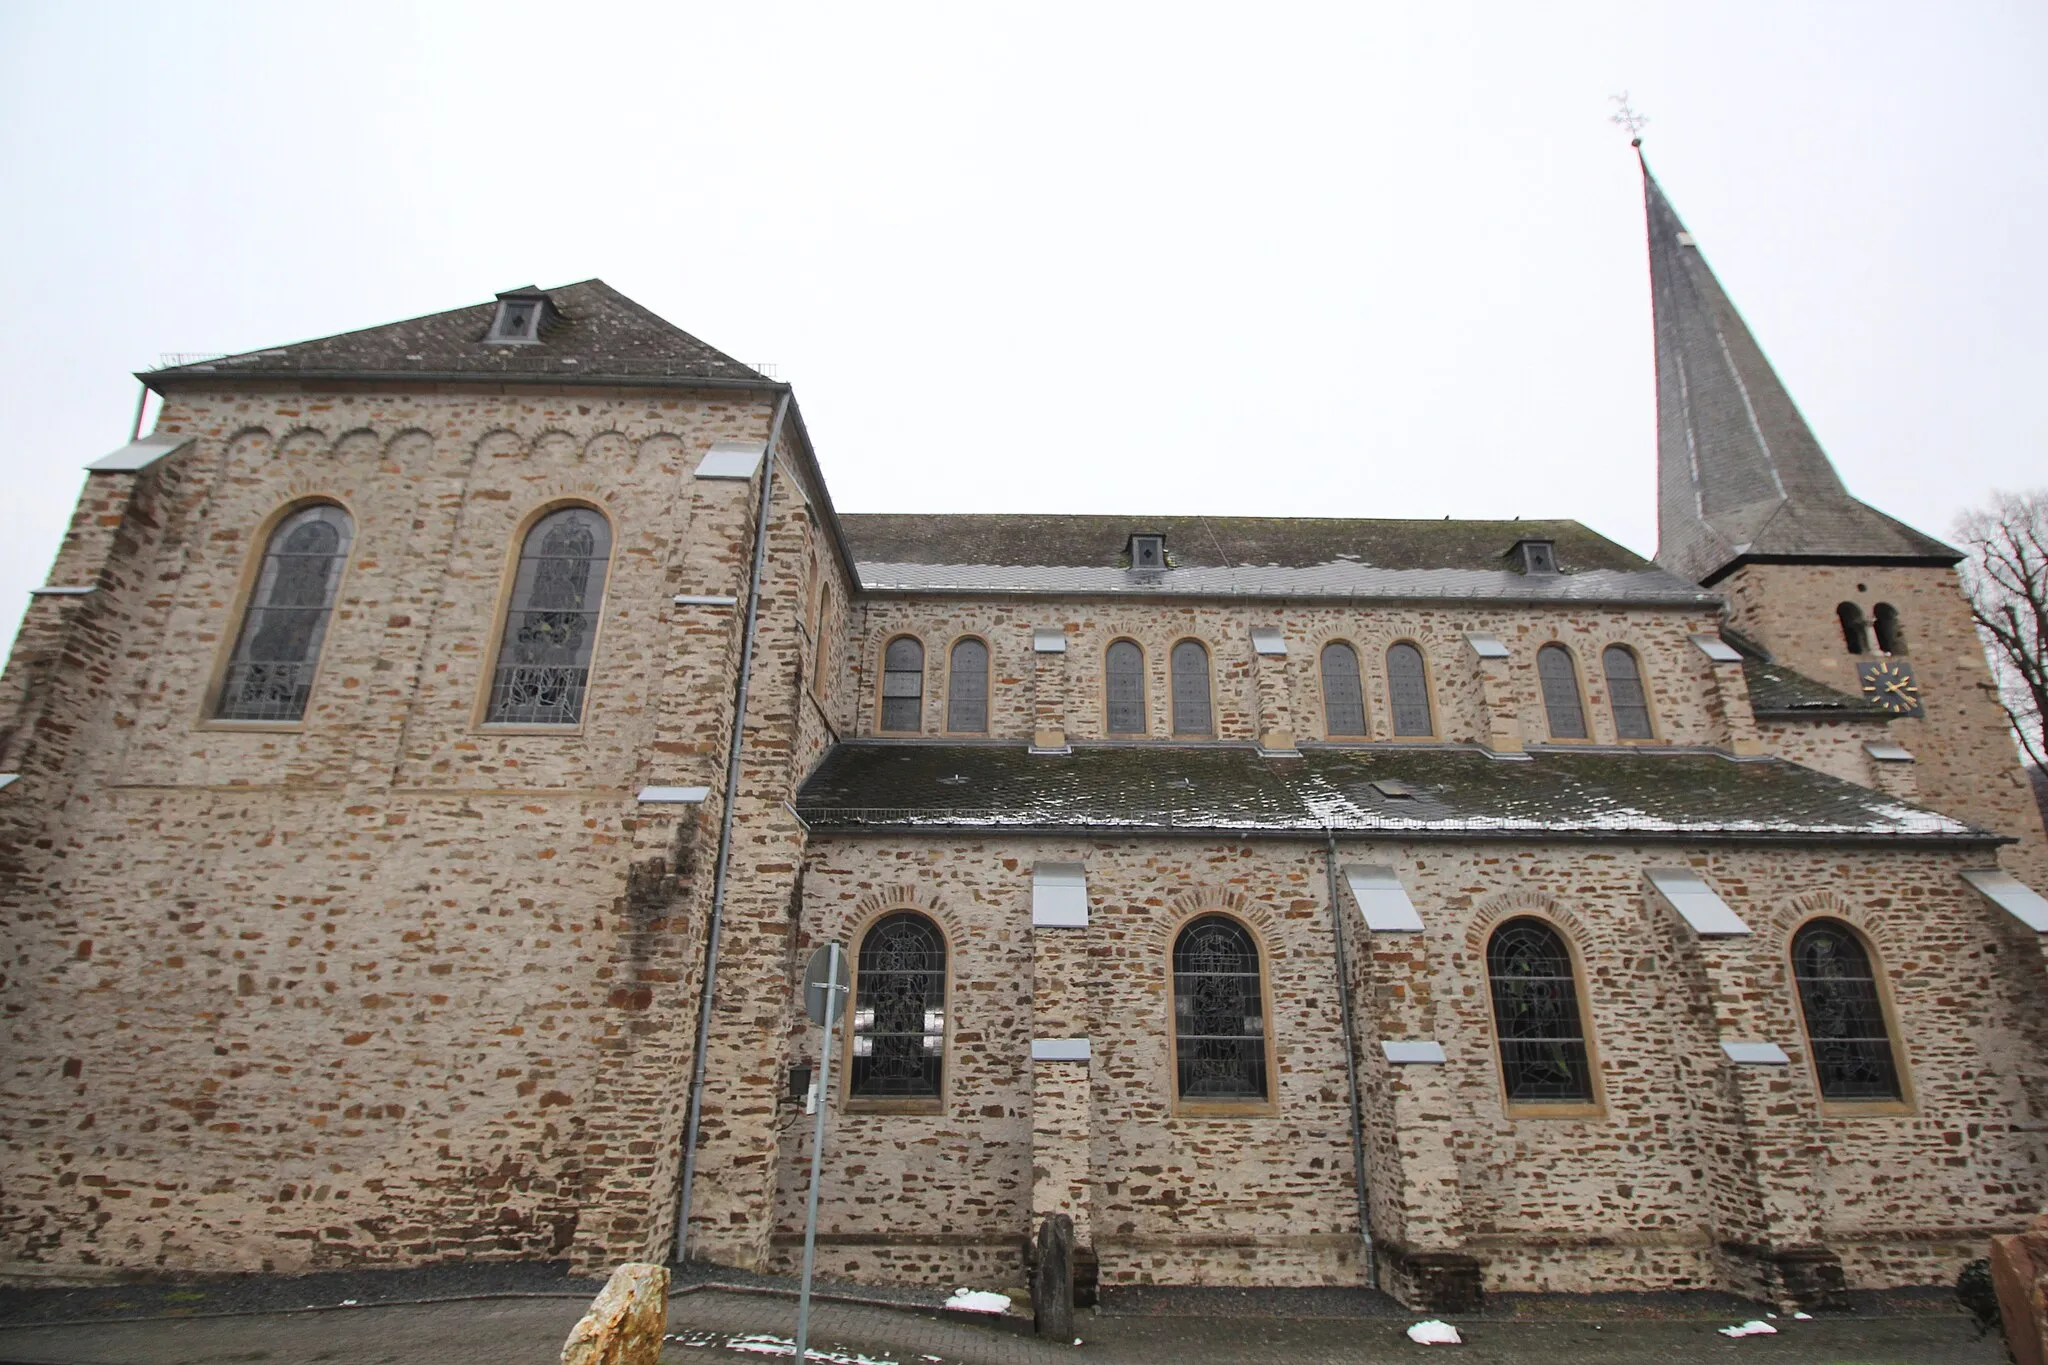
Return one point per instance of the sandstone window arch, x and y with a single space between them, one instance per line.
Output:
1538 1019
1343 692
1408 691
1221 1042
548 637
1123 686
902 707
1563 707
897 1040
967 687
1628 698
277 648
1842 1007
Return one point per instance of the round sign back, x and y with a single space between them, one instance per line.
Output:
828 967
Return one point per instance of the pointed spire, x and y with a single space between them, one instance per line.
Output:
1740 476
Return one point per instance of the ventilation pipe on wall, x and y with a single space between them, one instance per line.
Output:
706 990
1372 1260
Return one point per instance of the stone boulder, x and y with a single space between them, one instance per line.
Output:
2019 1270
626 1321
1052 1279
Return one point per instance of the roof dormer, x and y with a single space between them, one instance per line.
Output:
1147 551
1533 555
520 316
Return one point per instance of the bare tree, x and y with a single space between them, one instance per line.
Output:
2006 576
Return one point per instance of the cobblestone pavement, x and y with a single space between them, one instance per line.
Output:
717 1326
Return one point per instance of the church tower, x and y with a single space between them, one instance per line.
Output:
1749 504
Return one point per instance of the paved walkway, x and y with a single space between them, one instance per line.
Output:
709 1327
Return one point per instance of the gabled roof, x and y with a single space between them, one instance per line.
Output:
905 788
596 335
1740 474
1250 557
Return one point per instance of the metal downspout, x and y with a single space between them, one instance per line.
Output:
729 797
1372 1260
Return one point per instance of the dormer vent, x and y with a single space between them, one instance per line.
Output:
519 317
1532 555
1148 552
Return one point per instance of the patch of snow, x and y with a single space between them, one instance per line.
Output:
1431 1332
979 1301
1804 1317
764 1344
1755 1327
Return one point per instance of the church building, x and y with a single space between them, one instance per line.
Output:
439 748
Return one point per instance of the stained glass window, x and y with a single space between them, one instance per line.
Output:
270 674
1219 1021
1191 689
1560 679
903 685
1343 697
551 625
1625 694
1536 1015
1852 1049
899 1010
1125 688
967 688
1408 690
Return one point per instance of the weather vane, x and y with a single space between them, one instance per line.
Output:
1626 116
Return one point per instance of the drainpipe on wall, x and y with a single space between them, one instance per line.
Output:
1372 1260
732 782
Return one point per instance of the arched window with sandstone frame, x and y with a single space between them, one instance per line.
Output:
1843 1009
903 685
898 1034
1563 707
1193 709
1343 692
277 648
1219 1014
1627 698
967 687
1536 1015
1123 688
549 635
1408 691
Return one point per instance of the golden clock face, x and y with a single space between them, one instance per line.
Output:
1889 683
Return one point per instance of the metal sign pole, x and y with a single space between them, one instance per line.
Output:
830 1007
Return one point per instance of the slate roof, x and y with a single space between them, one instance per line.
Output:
1461 792
1779 693
1740 474
599 336
1250 556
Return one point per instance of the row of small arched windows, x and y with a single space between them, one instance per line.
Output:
1220 1036
1883 622
544 648
1191 711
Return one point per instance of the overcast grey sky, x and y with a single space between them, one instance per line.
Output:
1355 259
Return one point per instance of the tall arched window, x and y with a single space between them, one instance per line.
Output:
270 674
551 621
967 688
899 1010
1124 688
903 685
1408 690
1890 637
1219 1018
1191 689
1560 679
1852 1048
1543 1056
1626 697
820 681
1343 696
1855 636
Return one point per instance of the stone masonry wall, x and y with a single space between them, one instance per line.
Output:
1644 1190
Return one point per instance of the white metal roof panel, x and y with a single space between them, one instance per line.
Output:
1486 644
1696 902
1414 1052
2013 895
1060 1050
138 454
1059 896
1755 1054
1717 649
1889 753
673 796
1382 899
1048 640
731 460
1269 640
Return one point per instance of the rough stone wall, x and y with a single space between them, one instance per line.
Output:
1833 747
1683 1157
286 995
1966 763
1680 678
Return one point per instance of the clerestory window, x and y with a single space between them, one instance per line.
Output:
544 654
270 673
1559 676
903 685
1124 688
1343 694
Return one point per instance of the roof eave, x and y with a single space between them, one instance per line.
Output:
1698 600
155 379
1946 560
820 824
